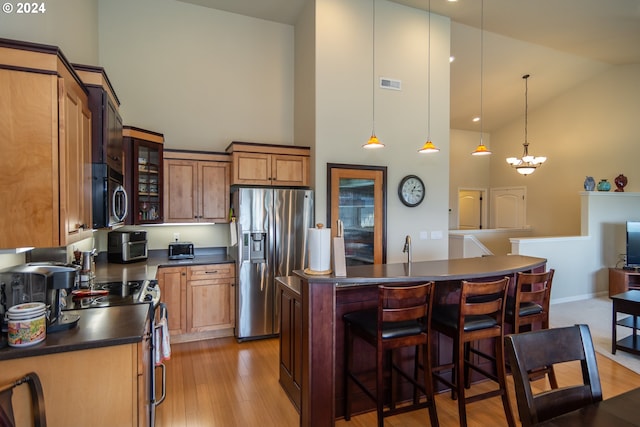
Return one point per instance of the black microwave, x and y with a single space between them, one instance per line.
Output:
127 246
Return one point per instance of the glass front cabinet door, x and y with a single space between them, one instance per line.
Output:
358 197
144 150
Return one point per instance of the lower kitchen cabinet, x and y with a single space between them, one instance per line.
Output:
210 297
290 338
94 387
200 300
173 288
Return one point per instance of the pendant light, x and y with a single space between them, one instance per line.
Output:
528 163
481 149
373 141
428 146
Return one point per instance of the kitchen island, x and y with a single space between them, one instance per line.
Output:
92 374
325 299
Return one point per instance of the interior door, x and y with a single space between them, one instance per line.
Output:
471 209
508 207
358 197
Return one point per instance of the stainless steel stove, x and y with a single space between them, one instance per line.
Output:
119 293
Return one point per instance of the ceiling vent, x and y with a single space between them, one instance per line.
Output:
387 83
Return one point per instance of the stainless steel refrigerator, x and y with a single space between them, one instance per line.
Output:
271 226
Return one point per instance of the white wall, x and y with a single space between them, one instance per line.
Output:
69 24
582 262
344 99
200 76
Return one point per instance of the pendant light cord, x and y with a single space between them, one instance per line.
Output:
481 68
429 77
373 70
526 107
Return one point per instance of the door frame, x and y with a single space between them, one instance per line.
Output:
380 257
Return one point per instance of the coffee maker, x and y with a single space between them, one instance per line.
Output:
46 282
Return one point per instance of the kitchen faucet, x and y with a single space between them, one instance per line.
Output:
407 248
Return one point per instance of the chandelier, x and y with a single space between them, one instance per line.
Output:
527 164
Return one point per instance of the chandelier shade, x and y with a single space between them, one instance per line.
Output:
373 143
527 164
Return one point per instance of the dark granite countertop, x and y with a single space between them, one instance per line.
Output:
294 283
449 269
141 270
97 327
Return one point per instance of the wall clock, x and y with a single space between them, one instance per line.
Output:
411 190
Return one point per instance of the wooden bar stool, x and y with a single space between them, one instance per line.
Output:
479 315
401 319
530 305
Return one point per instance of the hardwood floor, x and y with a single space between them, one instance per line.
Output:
223 383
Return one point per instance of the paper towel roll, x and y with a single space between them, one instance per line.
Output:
319 249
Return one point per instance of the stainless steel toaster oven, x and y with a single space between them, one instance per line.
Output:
181 250
127 246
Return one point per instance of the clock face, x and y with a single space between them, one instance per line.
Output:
411 190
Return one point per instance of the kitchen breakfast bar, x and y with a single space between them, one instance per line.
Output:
312 306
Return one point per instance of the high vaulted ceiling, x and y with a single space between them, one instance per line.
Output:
560 43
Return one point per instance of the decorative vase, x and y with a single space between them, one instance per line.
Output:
589 183
604 185
620 182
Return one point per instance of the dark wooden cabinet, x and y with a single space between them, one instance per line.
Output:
106 134
144 175
106 130
623 280
290 338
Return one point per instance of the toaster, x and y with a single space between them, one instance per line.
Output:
181 250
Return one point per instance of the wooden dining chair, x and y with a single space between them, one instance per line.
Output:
39 418
529 351
401 319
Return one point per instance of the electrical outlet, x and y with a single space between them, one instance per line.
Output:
176 237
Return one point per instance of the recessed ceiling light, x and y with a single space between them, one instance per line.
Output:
476 119
452 58
452 1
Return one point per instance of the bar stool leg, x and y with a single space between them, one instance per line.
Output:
502 374
379 386
428 383
460 383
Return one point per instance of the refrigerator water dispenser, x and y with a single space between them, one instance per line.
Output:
254 247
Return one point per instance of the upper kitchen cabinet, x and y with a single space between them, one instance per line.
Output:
45 140
107 150
144 175
196 186
267 164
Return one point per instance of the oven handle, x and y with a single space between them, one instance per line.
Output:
164 384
